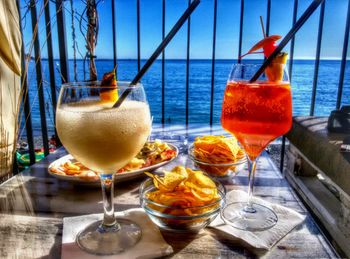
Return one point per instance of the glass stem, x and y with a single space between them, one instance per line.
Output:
251 167
107 183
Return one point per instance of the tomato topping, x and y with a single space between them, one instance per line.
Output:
269 47
168 154
268 44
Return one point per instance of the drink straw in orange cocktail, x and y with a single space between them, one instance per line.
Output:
309 11
160 48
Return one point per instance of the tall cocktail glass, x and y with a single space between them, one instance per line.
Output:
104 139
255 113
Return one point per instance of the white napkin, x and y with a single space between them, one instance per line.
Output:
287 220
151 244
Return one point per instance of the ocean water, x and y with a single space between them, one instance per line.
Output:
199 88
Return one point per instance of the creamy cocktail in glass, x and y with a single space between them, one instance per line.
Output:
104 139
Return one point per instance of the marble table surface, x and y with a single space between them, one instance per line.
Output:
33 204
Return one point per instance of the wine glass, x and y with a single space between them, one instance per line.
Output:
255 113
104 139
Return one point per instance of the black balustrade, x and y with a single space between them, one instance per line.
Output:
64 62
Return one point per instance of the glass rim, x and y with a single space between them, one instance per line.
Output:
97 85
251 69
254 65
259 82
247 65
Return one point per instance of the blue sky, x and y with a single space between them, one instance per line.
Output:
201 28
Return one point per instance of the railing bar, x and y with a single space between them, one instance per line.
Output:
317 60
25 98
39 78
51 62
283 148
114 34
14 167
138 36
343 60
268 15
28 117
290 70
188 65
292 42
62 41
163 63
240 31
213 65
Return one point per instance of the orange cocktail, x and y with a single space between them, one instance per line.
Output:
257 113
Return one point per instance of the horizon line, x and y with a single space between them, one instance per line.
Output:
202 59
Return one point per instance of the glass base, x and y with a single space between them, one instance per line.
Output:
102 240
257 218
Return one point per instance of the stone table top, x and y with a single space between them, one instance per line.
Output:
33 204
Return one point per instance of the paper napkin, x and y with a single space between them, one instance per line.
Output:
151 245
287 220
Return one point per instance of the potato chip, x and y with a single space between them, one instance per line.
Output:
200 180
172 179
204 195
158 183
181 170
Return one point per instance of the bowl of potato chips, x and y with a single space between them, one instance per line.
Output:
182 200
218 156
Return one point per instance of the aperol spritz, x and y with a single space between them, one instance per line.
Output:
256 113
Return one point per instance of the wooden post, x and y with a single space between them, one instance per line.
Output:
91 36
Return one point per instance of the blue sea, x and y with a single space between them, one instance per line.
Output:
199 88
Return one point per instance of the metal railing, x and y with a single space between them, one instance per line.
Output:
64 68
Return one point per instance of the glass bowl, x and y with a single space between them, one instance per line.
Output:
180 219
218 169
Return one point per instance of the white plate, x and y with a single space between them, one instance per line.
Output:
119 177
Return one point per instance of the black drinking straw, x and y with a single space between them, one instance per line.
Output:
309 11
156 53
